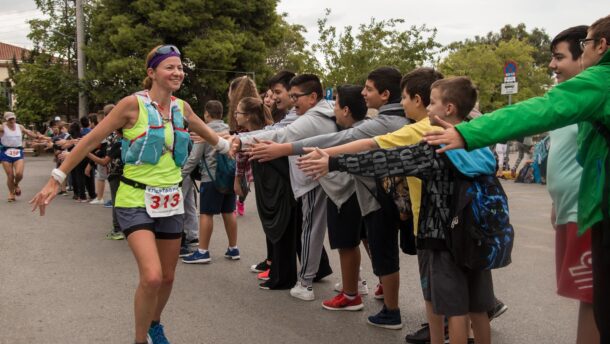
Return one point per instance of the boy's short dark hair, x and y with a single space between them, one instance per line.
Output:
418 82
308 83
84 122
214 109
93 119
459 91
572 36
283 78
387 78
601 29
351 96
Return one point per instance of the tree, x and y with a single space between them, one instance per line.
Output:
291 53
484 62
43 88
537 38
349 57
233 35
46 84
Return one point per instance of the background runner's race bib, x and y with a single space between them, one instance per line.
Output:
13 153
163 201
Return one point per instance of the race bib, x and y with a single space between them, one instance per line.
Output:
163 201
13 153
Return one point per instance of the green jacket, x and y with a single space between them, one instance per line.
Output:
583 99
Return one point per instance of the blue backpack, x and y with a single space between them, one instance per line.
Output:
480 236
225 173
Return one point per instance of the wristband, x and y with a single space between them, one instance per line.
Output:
222 146
58 175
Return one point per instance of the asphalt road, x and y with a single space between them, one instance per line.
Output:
62 282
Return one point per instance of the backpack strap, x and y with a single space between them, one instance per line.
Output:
207 169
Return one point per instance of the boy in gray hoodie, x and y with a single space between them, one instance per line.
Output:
382 92
316 117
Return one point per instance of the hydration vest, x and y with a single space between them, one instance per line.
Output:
148 147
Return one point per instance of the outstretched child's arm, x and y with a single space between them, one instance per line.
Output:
416 160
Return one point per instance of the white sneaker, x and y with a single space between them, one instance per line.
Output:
363 288
97 201
302 292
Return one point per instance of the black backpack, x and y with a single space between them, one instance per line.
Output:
480 236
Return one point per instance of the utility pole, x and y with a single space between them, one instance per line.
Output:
80 58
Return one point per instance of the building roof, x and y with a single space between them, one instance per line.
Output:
7 52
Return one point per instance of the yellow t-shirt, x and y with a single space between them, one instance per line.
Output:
164 173
408 135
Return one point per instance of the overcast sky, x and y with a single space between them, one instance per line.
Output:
454 19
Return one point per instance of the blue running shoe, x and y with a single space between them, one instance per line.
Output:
156 335
197 258
108 204
232 254
386 319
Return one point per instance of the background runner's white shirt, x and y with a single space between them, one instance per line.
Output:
12 138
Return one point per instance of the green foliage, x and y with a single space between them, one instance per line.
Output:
484 63
212 35
349 57
43 89
292 52
537 38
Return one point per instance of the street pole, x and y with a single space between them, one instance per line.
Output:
80 58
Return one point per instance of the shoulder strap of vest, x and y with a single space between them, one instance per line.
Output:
154 118
177 114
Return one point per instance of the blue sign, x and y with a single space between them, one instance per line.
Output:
329 93
510 68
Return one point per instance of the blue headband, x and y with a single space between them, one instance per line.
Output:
155 61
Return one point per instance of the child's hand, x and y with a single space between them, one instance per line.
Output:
312 154
315 168
450 137
265 150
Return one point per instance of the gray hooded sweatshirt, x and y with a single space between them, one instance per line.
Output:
317 120
204 151
380 125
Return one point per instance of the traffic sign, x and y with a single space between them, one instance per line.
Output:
510 88
510 79
329 93
510 69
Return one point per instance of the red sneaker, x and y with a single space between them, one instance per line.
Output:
342 303
241 208
264 276
379 292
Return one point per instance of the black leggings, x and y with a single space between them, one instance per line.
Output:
600 249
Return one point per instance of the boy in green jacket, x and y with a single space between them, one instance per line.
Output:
584 99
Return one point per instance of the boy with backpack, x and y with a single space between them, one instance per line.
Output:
582 99
214 197
452 285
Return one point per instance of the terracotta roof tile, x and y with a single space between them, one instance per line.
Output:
7 52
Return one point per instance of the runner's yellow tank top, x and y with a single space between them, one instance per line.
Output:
164 173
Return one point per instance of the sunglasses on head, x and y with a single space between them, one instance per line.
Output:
166 49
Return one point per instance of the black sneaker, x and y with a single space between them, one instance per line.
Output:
264 286
386 319
422 336
498 310
193 242
185 251
260 267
